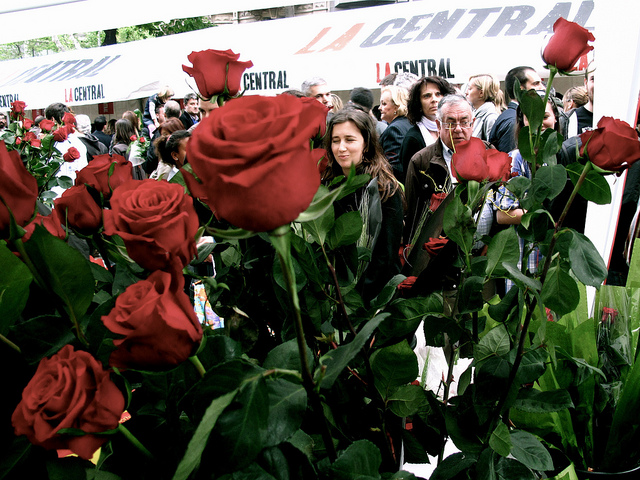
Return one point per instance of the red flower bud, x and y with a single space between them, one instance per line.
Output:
567 45
71 154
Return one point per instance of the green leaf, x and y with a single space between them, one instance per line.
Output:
551 144
346 230
548 182
198 441
42 336
518 186
532 106
64 270
452 466
393 366
495 343
360 460
407 400
532 365
323 199
470 296
510 469
458 224
521 279
560 292
595 187
336 360
500 441
14 287
287 406
503 248
528 450
586 262
286 356
319 227
536 401
65 182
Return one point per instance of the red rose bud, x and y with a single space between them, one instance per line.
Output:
436 200
567 44
211 74
96 173
51 222
60 134
35 142
434 245
71 154
46 125
142 140
18 141
472 161
133 138
159 325
157 222
18 107
69 119
27 123
18 188
257 149
69 390
612 146
79 208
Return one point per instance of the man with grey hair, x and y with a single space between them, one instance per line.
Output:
317 88
429 170
172 109
94 145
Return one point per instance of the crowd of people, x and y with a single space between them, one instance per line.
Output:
405 144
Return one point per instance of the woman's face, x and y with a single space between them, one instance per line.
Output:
347 145
181 154
388 109
549 120
474 95
429 97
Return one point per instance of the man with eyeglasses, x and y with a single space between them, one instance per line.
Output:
429 171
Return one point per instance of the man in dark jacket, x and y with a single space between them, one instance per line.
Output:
190 114
94 145
98 124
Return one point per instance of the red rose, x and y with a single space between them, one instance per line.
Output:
18 188
157 222
69 119
60 134
210 71
567 44
80 210
36 142
142 140
71 155
257 149
612 146
51 222
434 245
18 140
472 161
18 107
69 390
133 138
97 174
436 200
27 123
46 125
32 139
159 324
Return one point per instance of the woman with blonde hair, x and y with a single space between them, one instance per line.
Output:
487 100
149 117
393 110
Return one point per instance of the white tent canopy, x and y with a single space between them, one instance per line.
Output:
348 48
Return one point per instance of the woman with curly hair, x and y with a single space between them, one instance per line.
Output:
351 141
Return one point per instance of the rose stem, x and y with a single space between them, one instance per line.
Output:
198 364
281 241
134 441
10 343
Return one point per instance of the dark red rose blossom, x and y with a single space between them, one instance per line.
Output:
60 134
133 138
473 161
434 245
18 107
157 222
567 44
159 325
612 146
27 123
96 173
257 149
69 119
80 210
51 222
210 71
69 390
71 155
46 125
18 188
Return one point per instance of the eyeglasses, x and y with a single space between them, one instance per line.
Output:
454 125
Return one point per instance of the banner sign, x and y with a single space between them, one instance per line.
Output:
354 48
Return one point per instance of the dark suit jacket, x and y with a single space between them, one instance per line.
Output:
186 120
391 141
503 133
413 142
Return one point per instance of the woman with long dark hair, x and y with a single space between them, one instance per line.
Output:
352 140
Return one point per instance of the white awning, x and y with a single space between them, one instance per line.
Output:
347 48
